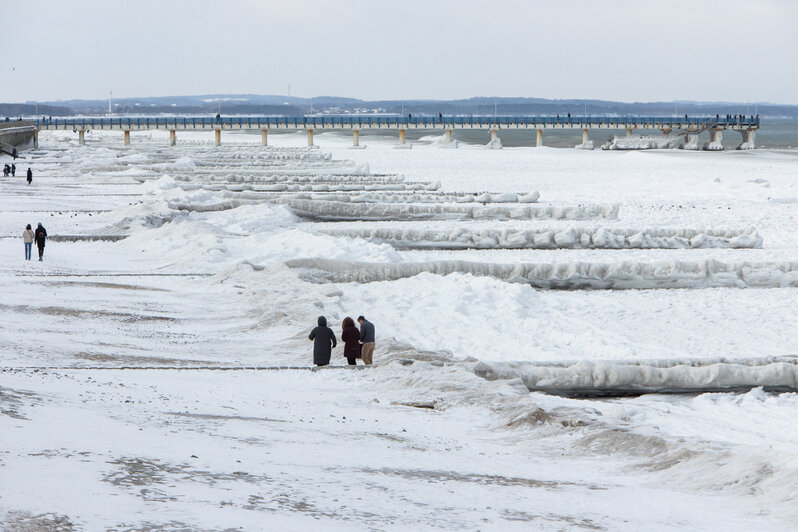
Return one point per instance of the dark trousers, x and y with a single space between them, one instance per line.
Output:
41 251
352 361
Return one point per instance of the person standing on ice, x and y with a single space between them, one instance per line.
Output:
27 237
351 338
40 237
13 170
366 339
30 175
323 342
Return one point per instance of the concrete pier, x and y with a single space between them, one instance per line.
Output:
355 137
264 137
217 133
585 136
669 124
81 137
310 137
126 136
172 137
36 139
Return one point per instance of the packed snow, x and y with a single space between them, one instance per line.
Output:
157 372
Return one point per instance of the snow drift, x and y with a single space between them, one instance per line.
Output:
633 377
341 211
568 276
569 238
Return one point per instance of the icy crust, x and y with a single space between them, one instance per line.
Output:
320 185
568 276
311 177
569 238
413 197
341 211
641 143
649 375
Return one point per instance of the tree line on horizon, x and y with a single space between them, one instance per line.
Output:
271 105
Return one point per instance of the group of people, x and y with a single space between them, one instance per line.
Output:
11 170
29 236
357 343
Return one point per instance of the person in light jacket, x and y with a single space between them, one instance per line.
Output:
27 237
323 342
351 338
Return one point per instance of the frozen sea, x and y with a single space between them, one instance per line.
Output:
156 372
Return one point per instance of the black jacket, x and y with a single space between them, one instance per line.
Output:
40 236
324 341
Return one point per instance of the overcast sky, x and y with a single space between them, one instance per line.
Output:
628 50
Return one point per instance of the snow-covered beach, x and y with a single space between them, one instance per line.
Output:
156 370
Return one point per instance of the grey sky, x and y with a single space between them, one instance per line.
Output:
629 50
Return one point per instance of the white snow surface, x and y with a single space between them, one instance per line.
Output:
206 289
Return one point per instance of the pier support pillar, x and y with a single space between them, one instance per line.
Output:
355 137
715 140
584 136
81 137
749 139
310 137
691 143
448 135
666 131
217 137
539 138
264 138
36 139
172 137
126 137
629 131
401 136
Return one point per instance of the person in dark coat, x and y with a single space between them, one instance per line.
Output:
323 342
351 338
30 175
39 238
13 170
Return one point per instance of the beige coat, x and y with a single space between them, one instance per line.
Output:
27 236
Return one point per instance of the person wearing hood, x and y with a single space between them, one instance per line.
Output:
40 236
323 342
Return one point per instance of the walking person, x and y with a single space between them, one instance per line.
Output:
27 237
351 338
30 175
13 170
323 342
367 339
40 236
